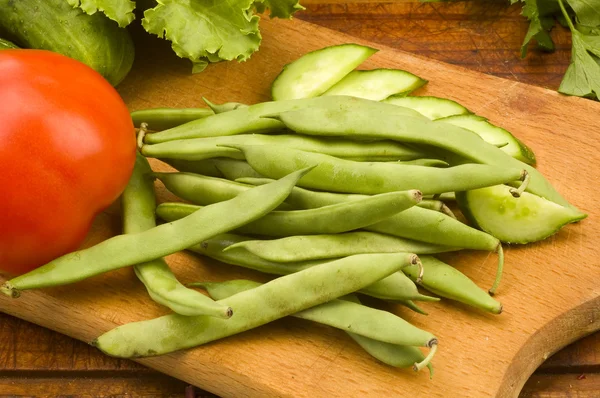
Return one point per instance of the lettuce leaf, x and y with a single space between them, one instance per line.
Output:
120 11
206 31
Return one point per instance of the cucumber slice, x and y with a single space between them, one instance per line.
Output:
315 72
430 107
376 84
494 135
529 218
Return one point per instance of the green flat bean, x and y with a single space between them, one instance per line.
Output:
224 289
414 223
354 120
398 288
214 248
446 281
138 204
233 169
202 190
340 175
347 313
192 149
425 162
205 167
210 147
446 197
399 356
251 119
388 288
125 250
410 304
225 107
332 219
317 247
431 204
199 189
276 299
436 205
166 118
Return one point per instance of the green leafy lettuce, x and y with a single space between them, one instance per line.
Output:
120 11
202 31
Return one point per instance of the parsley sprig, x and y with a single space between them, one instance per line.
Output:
582 17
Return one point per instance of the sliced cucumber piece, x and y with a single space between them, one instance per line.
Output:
529 218
315 72
431 107
494 135
376 84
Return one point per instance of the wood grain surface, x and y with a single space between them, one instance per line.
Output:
30 354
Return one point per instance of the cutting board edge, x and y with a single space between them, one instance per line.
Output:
580 321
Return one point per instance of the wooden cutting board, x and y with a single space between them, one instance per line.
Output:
550 290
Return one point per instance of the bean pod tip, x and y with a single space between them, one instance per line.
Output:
417 195
143 130
415 260
517 192
8 289
433 345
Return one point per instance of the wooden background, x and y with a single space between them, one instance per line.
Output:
483 36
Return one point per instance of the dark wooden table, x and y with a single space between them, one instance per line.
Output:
480 35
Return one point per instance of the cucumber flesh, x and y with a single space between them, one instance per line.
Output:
431 107
315 72
494 135
376 84
526 219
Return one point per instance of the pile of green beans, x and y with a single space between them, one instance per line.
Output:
324 195
220 156
343 174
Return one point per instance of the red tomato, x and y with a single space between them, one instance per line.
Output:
67 149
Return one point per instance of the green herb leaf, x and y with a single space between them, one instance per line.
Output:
588 11
587 30
592 43
279 8
120 11
206 30
583 75
540 13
